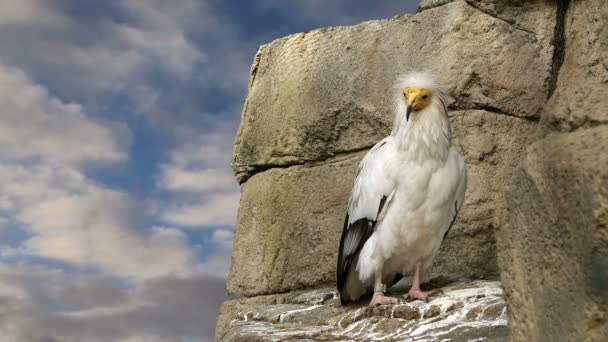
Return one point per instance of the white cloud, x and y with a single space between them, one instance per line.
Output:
53 288
217 209
160 55
44 304
227 55
43 144
181 180
161 31
94 229
23 12
74 221
118 60
208 150
170 48
204 193
37 125
86 55
219 261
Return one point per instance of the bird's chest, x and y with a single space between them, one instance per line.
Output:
416 182
415 232
421 202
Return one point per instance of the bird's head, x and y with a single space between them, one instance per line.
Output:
415 92
416 99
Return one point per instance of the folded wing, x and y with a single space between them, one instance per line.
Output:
371 193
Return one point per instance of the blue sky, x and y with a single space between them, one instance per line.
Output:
117 201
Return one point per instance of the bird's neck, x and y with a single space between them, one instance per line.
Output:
426 134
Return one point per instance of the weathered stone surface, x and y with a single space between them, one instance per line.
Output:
580 100
553 243
316 97
315 94
290 219
428 4
553 246
289 226
230 309
534 16
317 316
492 145
318 100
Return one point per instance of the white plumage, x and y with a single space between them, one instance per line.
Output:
406 195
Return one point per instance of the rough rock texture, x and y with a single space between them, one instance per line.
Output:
553 243
465 312
491 145
522 14
289 226
317 98
290 219
314 94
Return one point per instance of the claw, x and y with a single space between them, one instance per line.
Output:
381 299
414 294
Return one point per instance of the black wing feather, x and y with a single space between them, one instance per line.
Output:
360 231
453 221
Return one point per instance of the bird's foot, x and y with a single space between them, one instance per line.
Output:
380 299
414 294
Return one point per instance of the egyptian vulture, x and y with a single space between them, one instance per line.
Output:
406 196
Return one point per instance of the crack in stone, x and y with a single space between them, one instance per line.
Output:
496 110
471 4
559 45
435 5
569 127
510 23
334 158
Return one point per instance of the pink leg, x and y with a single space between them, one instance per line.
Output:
415 292
379 298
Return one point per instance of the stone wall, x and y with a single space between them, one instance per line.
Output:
553 240
318 100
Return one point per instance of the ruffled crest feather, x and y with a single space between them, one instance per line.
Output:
418 79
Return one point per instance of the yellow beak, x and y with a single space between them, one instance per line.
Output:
415 99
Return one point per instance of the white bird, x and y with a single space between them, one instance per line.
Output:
406 197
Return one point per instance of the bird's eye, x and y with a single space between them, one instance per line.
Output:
424 97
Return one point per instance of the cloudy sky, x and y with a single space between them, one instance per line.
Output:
117 118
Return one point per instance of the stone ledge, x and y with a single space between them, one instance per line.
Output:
465 311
